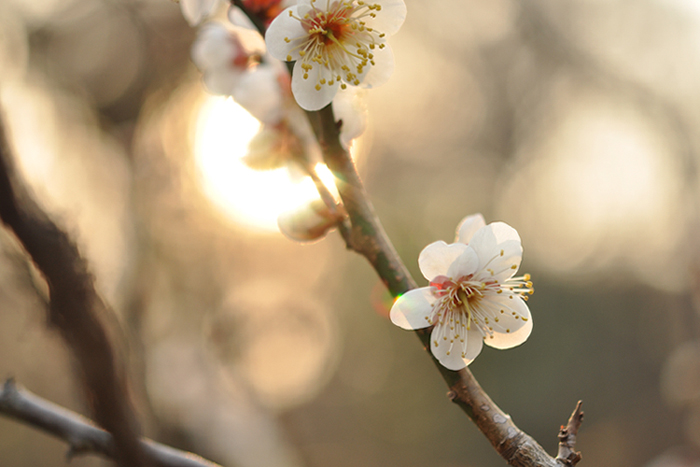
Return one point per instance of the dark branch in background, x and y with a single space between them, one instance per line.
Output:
74 309
82 436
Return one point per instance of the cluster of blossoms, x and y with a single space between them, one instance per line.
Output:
473 296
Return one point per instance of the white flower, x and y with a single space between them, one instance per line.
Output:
219 54
473 297
195 11
335 43
231 70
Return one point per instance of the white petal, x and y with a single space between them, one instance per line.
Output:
350 108
305 92
468 226
238 18
222 81
412 309
436 258
258 91
213 47
510 330
379 73
450 354
503 263
284 26
464 265
195 11
391 17
488 240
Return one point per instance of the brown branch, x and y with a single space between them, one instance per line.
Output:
567 438
75 307
82 436
368 238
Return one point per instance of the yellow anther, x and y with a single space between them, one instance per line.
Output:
287 40
343 86
302 53
502 252
306 76
323 81
318 87
526 277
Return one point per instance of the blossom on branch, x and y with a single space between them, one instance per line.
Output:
230 69
473 296
335 43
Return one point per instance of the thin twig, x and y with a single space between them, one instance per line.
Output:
81 435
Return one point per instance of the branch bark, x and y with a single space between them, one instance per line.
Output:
75 308
82 436
368 238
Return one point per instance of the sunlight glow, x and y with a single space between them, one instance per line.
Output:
252 198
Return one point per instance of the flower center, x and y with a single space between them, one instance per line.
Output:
338 41
471 301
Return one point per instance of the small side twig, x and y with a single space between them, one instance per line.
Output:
83 436
567 454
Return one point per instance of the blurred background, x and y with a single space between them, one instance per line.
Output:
575 121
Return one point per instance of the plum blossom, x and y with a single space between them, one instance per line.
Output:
473 296
219 54
335 43
230 69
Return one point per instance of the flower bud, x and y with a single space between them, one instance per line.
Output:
308 222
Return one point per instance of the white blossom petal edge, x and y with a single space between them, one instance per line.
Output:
196 11
473 296
335 43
